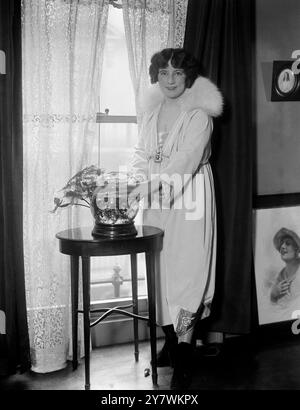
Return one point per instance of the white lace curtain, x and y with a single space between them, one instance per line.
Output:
63 43
62 48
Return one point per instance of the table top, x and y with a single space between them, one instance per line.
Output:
80 241
85 234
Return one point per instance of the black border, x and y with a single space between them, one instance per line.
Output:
276 200
276 95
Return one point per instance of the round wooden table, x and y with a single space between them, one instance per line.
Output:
79 242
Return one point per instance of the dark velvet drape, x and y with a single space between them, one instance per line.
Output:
220 33
14 342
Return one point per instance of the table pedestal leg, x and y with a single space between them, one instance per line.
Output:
150 267
74 299
134 282
86 316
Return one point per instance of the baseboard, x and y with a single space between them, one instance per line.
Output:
118 331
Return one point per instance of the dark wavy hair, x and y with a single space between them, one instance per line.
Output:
179 58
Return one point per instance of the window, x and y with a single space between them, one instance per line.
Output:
117 134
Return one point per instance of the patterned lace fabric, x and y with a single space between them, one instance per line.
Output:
62 43
185 321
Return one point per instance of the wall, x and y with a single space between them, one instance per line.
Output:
278 123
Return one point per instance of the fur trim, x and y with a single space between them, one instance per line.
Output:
203 94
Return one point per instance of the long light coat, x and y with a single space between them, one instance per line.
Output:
187 263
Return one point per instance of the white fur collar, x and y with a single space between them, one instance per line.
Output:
203 94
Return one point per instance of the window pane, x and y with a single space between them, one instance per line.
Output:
110 276
116 145
116 92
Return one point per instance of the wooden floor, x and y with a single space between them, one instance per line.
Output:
240 366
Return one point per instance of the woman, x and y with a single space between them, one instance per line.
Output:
287 283
176 181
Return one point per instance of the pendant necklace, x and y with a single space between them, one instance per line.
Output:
158 152
158 157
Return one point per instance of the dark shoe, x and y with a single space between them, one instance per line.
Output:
213 350
163 357
182 375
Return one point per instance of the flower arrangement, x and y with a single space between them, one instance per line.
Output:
110 197
110 204
79 189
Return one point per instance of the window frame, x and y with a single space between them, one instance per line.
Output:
115 119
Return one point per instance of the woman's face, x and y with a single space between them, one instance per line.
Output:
171 81
288 249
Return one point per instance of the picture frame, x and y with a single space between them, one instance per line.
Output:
275 219
285 82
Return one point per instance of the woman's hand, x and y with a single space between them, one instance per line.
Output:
137 191
284 287
280 289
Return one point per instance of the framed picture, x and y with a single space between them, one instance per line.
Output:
276 244
285 82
